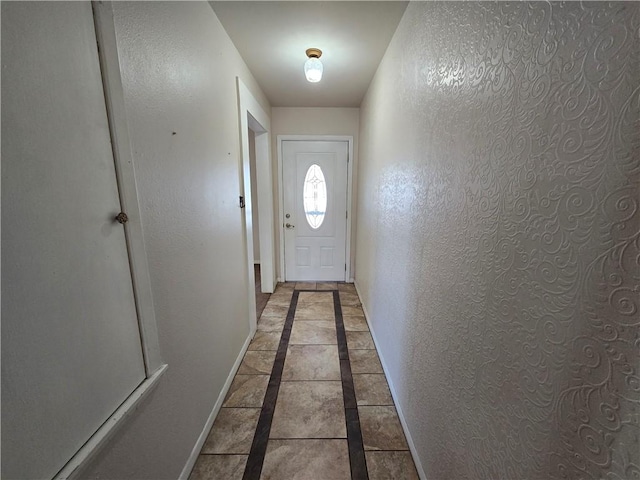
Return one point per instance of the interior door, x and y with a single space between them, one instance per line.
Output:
71 348
315 209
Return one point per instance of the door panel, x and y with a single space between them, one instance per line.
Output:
71 350
315 240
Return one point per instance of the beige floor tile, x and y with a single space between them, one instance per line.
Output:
381 429
360 341
309 410
326 286
351 299
305 298
391 465
271 324
355 324
280 299
287 287
350 310
315 311
365 361
347 287
312 362
247 391
257 362
305 285
265 341
313 332
306 460
233 431
276 311
216 467
372 389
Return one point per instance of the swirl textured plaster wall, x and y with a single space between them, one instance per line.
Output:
498 252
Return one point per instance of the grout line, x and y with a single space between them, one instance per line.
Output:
357 460
223 454
311 380
308 438
253 408
254 464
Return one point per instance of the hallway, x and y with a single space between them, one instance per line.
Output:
491 231
310 399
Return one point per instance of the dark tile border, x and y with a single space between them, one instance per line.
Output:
258 450
355 443
354 432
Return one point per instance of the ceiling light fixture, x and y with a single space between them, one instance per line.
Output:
313 65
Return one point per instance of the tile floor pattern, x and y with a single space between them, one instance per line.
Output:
291 412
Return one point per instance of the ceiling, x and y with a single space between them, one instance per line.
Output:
272 38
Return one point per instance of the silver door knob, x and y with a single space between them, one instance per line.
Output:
288 225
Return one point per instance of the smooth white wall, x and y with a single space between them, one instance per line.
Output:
254 197
315 121
179 71
498 227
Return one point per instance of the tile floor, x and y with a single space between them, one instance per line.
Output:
261 298
310 400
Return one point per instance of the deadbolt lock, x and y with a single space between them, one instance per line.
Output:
288 216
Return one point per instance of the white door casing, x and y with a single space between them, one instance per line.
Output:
315 244
253 117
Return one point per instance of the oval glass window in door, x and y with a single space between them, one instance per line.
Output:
315 196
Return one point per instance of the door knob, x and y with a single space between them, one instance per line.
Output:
288 225
122 218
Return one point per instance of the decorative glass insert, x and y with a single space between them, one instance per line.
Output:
315 196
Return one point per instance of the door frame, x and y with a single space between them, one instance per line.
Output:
253 117
316 138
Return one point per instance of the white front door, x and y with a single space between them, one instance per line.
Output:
315 209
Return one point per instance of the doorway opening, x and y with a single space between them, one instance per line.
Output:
257 195
261 297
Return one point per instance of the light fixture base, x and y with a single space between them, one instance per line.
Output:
314 52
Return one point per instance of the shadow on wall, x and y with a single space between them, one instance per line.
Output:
498 148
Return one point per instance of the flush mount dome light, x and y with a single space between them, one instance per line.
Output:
313 65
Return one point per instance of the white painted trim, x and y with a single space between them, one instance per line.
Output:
347 257
252 116
193 457
264 179
312 138
394 394
281 277
80 460
123 159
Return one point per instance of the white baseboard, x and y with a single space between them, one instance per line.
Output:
403 422
191 461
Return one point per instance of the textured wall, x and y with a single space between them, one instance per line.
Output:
179 71
498 236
